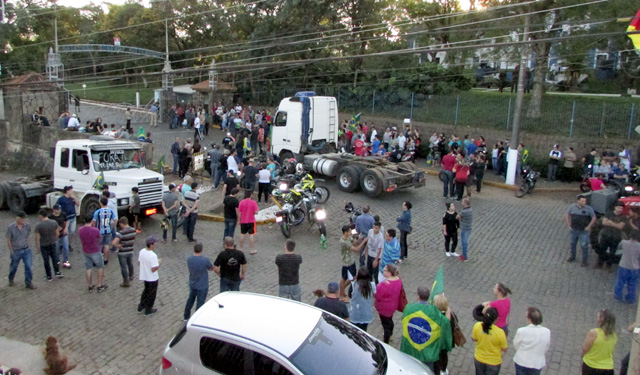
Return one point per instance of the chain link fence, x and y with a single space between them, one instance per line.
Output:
559 114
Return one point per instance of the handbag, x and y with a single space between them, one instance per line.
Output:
458 336
402 301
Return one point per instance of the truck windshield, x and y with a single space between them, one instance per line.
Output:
111 160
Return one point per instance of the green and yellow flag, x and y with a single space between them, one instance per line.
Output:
633 28
142 136
99 184
425 332
438 284
161 164
355 120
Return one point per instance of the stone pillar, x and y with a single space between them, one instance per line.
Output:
167 99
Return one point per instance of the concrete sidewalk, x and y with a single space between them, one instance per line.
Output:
27 358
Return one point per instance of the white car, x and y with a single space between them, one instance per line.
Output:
246 334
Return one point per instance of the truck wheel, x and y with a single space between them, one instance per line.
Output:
5 189
89 205
371 182
347 179
286 155
17 200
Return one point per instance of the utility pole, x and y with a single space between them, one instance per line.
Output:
512 155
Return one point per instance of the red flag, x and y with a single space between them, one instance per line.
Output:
634 26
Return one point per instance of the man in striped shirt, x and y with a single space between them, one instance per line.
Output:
190 202
124 241
104 218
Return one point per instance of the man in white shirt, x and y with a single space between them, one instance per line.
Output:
232 164
531 344
73 122
401 141
196 126
375 243
374 133
148 263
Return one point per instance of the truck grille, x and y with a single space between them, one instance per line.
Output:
150 193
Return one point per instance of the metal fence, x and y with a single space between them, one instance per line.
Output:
560 115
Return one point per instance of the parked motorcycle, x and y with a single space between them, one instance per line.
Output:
302 180
300 204
529 178
355 212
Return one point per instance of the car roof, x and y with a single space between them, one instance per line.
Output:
278 323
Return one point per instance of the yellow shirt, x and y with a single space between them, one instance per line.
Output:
600 356
489 346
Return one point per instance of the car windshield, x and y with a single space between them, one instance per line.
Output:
349 350
111 160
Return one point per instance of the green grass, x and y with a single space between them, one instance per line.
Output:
105 92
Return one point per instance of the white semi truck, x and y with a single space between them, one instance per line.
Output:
306 128
79 163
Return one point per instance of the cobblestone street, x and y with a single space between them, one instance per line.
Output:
520 242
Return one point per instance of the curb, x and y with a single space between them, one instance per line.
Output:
510 187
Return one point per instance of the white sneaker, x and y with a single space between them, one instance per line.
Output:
455 254
445 372
448 253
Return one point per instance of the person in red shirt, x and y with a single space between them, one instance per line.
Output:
248 209
359 145
448 161
597 183
461 171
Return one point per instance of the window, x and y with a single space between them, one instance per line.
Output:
80 159
112 160
64 158
281 119
231 359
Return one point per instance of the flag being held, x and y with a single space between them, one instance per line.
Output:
99 183
438 284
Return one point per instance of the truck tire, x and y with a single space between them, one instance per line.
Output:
348 179
89 205
17 200
5 189
371 182
286 155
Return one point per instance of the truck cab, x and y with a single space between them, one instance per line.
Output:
304 124
80 163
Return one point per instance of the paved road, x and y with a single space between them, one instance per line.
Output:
520 242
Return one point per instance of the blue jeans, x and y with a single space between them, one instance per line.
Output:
62 248
219 176
290 292
448 184
464 239
26 257
174 227
629 278
195 294
583 237
126 266
190 223
229 227
485 369
229 285
520 370
175 164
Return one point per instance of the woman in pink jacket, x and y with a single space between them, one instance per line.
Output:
387 298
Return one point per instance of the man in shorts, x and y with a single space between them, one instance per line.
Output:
90 238
104 219
248 209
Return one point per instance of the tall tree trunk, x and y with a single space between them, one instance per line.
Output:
542 56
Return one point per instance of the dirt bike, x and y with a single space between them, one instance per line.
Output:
529 178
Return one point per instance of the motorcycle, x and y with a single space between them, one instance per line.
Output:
355 212
298 205
529 178
302 180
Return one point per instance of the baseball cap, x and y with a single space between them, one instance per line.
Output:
172 186
56 207
333 287
151 240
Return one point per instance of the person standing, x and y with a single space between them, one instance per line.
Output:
230 182
502 304
175 153
348 248
46 235
248 208
330 302
199 266
289 272
215 156
599 344
68 204
231 266
531 343
134 209
390 252
554 159
461 171
404 226
104 219
491 344
170 208
481 167
124 241
250 176
628 269
62 244
441 302
387 299
448 162
18 244
127 116
450 225
613 225
190 202
361 305
466 219
567 167
90 238
231 213
375 244
264 182
148 263
580 219
154 115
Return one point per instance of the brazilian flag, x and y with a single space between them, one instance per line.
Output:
355 120
438 284
425 332
99 184
142 136
161 164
